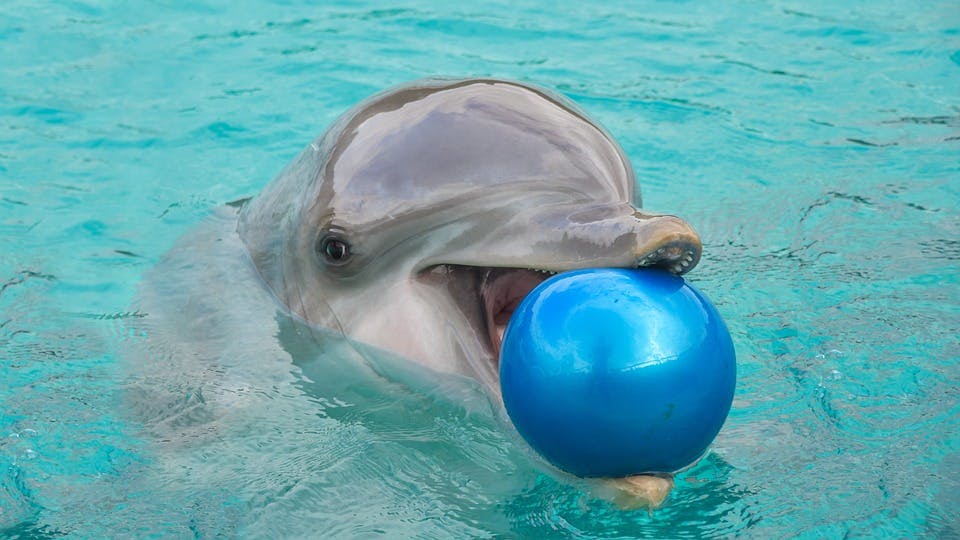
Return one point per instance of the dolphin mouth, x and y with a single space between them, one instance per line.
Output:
491 294
501 291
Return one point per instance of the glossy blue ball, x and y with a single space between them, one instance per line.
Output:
614 372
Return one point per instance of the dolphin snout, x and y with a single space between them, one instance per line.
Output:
569 237
666 241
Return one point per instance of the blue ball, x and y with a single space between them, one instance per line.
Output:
615 372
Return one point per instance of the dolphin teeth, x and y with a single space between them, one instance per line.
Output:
677 268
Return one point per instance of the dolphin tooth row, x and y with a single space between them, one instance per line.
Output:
677 266
684 263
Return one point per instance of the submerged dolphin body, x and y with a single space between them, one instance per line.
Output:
413 226
422 217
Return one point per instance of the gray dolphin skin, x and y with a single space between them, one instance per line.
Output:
413 227
421 218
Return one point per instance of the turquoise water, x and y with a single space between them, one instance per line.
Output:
815 146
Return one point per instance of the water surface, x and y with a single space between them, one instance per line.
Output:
815 146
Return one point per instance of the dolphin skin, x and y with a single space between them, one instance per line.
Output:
414 225
445 202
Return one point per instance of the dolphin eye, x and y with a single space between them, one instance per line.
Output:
335 250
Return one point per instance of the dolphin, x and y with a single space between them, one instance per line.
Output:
424 215
414 226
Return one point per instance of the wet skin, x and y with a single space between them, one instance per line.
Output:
413 226
442 203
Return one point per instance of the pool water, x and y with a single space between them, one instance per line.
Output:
814 145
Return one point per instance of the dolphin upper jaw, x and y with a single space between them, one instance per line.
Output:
488 280
565 236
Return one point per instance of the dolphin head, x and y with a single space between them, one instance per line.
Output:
423 216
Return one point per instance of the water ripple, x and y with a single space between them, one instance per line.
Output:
813 147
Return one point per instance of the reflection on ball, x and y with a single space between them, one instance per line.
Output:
615 372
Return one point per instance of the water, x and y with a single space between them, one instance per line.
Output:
815 145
